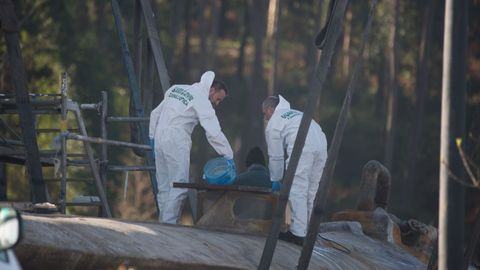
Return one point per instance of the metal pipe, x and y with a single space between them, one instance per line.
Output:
33 103
121 168
31 95
55 130
14 111
103 133
89 106
93 166
127 119
12 142
63 180
77 137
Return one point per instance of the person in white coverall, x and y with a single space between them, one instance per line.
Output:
280 133
171 126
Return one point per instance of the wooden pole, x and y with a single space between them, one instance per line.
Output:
451 194
327 176
322 70
154 40
10 28
3 181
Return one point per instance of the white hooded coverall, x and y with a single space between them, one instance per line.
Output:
171 126
280 133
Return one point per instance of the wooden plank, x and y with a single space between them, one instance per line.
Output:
154 40
202 186
19 81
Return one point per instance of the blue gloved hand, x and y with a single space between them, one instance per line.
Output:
276 185
152 144
231 164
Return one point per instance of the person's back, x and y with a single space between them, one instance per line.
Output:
257 174
288 120
178 115
179 111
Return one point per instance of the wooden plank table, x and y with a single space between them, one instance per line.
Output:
204 186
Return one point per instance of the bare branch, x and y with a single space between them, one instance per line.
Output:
465 163
458 180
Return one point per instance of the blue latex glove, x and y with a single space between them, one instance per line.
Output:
276 185
152 144
231 164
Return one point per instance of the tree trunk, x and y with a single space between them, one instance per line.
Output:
101 28
273 25
254 131
202 22
346 43
177 14
186 44
392 85
245 31
312 53
420 94
451 195
216 8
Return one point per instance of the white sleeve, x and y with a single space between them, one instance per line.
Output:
208 120
276 160
154 115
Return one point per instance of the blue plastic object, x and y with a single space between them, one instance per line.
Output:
218 171
231 163
152 144
276 185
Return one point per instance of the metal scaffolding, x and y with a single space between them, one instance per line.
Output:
60 104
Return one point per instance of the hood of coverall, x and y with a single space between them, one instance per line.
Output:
205 82
282 104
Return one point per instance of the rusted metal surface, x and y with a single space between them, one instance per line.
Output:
374 187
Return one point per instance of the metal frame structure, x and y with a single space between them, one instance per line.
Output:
60 104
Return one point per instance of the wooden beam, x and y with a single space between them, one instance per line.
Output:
322 70
154 40
10 28
202 186
327 176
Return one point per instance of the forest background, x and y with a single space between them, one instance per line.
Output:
259 50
